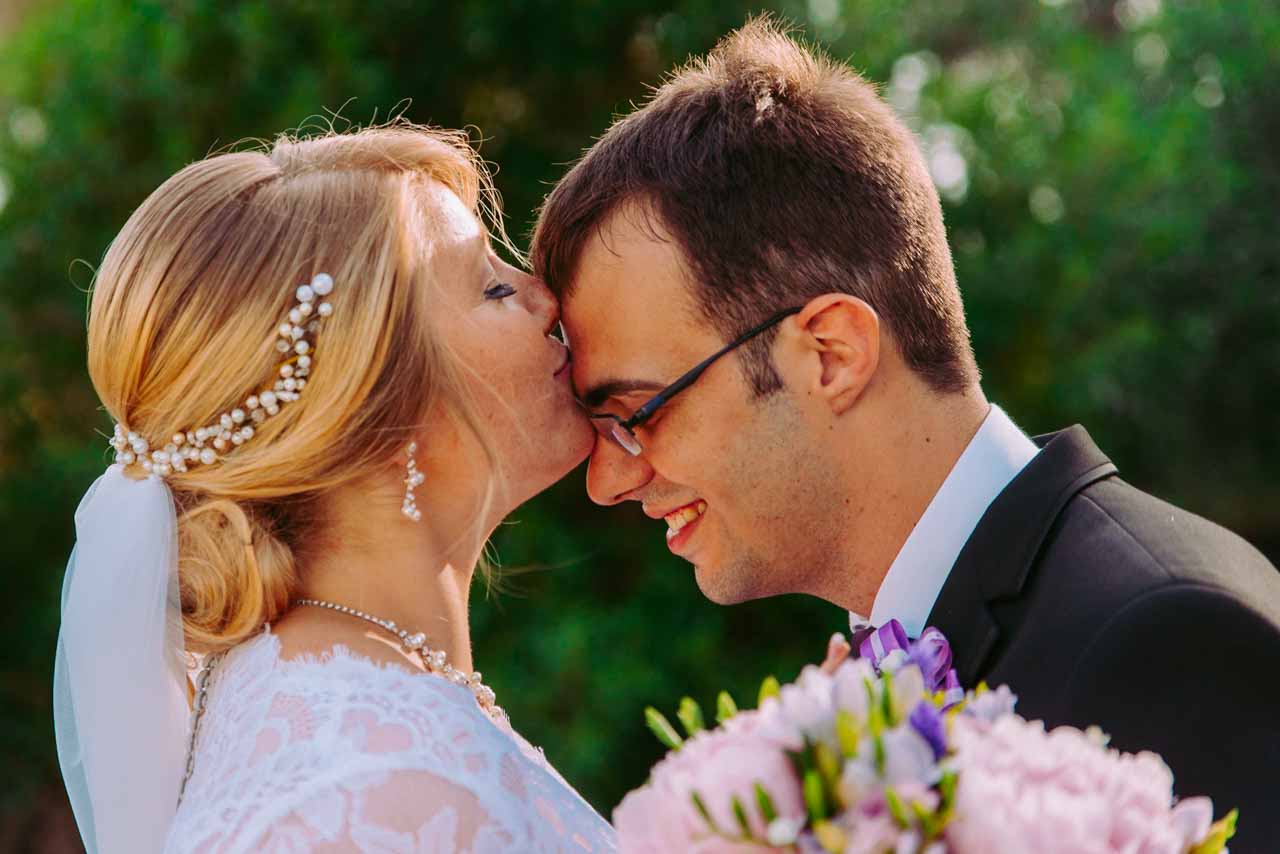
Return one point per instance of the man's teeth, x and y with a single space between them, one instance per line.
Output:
677 520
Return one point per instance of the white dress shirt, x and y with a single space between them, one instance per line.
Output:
993 458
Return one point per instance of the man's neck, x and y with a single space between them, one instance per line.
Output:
901 458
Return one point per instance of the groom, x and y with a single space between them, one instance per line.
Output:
767 221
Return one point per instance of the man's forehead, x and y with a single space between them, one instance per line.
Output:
630 314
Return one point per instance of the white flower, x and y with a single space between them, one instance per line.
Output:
783 831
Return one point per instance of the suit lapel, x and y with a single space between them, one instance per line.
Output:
997 559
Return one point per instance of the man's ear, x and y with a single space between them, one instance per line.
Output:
842 336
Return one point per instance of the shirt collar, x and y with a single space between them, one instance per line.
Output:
993 458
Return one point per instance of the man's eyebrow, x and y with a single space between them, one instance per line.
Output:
600 392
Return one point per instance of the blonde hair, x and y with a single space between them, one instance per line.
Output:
182 327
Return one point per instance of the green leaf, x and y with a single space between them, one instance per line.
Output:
828 764
740 814
1222 830
896 808
930 822
814 798
847 733
886 699
662 728
690 715
725 707
947 787
701 807
765 803
768 688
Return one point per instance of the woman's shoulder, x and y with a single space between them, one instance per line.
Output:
287 742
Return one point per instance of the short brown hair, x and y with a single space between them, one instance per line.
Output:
781 175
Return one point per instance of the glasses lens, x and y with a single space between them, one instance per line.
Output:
625 438
612 429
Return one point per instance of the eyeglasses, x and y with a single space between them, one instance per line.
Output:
621 430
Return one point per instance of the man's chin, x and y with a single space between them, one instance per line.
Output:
724 587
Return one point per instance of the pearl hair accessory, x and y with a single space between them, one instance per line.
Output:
413 479
234 428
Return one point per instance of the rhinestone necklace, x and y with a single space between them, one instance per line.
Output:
435 660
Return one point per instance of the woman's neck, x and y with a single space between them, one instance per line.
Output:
417 574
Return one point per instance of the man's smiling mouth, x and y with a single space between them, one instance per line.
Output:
678 519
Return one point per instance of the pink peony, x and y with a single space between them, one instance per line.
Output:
1022 789
751 747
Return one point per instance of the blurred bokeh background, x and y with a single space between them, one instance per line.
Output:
1110 173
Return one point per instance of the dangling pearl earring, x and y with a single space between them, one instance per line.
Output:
413 479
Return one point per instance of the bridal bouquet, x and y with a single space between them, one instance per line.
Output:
889 755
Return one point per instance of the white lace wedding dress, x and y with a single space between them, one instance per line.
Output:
341 754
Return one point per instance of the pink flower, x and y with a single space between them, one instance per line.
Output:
1024 789
719 764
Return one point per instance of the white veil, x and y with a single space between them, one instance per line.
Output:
119 691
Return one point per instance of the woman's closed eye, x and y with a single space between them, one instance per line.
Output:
501 290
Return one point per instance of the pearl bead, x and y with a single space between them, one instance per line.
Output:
164 470
146 464
128 458
325 309
237 439
297 333
225 421
160 457
284 329
282 346
322 283
290 384
304 361
302 347
304 310
252 402
207 456
133 437
273 410
295 315
246 431
268 399
179 439
220 443
258 416
305 294
237 416
286 370
302 384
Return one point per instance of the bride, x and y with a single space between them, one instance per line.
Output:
328 390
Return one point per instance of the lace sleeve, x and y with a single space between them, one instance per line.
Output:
406 811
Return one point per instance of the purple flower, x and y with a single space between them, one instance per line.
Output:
932 654
926 720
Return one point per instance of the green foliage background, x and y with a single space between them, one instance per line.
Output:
1110 173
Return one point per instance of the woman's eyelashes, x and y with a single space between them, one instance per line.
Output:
502 290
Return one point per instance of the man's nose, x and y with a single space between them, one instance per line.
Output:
613 474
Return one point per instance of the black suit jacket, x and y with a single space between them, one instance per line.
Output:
1099 604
